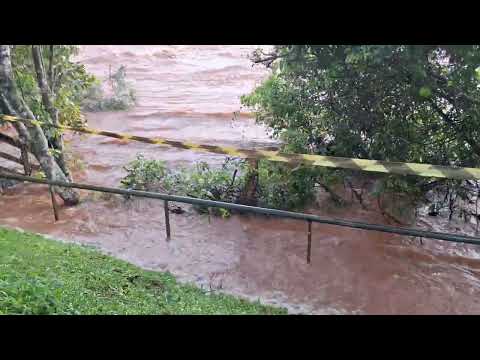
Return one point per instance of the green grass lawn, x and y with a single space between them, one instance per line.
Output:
42 276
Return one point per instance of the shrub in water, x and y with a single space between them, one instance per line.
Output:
278 186
122 97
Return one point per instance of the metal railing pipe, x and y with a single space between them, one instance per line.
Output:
254 209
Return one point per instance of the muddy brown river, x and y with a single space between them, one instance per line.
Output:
190 93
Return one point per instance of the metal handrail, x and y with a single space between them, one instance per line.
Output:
254 209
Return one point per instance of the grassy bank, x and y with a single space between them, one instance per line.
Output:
42 276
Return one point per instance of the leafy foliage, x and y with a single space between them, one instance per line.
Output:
409 103
67 80
220 184
397 103
148 175
278 186
281 187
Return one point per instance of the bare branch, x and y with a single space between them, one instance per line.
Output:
50 68
10 158
9 140
17 160
43 84
9 171
259 57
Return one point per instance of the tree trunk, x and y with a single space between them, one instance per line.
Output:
11 103
249 194
47 100
50 68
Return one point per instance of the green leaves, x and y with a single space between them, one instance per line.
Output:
202 181
425 92
68 81
278 185
477 73
281 187
409 103
143 174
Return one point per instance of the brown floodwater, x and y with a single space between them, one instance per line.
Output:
190 93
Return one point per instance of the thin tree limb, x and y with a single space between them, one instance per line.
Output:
10 140
50 68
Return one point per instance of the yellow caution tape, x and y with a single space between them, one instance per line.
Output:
425 170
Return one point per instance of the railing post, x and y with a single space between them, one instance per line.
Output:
54 203
26 163
167 219
309 246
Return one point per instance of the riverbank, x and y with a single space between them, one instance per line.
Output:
43 276
190 93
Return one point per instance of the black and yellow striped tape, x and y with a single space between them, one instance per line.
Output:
425 170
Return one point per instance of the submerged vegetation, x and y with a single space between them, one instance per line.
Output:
113 94
202 181
42 276
275 188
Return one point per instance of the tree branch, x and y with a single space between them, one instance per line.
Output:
9 140
50 68
258 57
45 90
9 171
10 158
475 146
17 160
267 60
